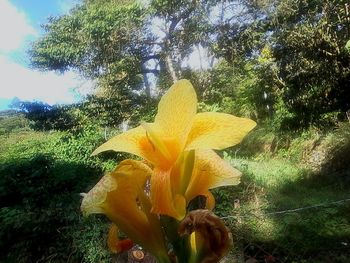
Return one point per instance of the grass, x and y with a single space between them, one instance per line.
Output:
6 141
280 173
283 180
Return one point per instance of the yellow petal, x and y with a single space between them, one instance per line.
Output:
121 205
156 140
128 141
161 151
145 141
212 130
181 172
163 200
116 195
210 171
210 202
112 239
116 192
176 110
93 201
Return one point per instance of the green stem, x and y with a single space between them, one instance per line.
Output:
181 245
161 258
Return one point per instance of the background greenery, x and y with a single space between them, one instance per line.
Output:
285 64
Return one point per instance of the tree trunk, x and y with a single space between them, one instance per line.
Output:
145 80
170 67
147 85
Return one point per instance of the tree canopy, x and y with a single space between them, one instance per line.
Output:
282 60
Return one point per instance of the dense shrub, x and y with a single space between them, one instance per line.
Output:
11 121
40 182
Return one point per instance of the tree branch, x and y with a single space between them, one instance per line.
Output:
156 56
148 70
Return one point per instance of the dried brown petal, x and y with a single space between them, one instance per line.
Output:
215 236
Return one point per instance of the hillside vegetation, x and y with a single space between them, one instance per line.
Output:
283 63
293 199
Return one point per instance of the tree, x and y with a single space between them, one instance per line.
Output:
309 67
114 41
289 54
125 45
43 116
310 52
99 39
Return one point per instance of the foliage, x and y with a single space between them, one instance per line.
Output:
43 116
40 181
93 110
306 69
228 89
293 170
11 121
114 41
102 42
87 239
92 38
331 152
283 63
316 78
112 111
115 44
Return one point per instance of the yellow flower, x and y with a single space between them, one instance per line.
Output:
168 142
120 196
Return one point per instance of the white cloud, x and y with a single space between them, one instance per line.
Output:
26 84
14 27
17 80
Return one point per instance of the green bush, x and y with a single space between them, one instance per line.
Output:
11 121
40 185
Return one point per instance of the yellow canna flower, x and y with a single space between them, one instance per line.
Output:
168 144
120 196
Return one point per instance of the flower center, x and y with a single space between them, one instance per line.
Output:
159 150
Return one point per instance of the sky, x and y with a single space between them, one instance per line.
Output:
20 22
